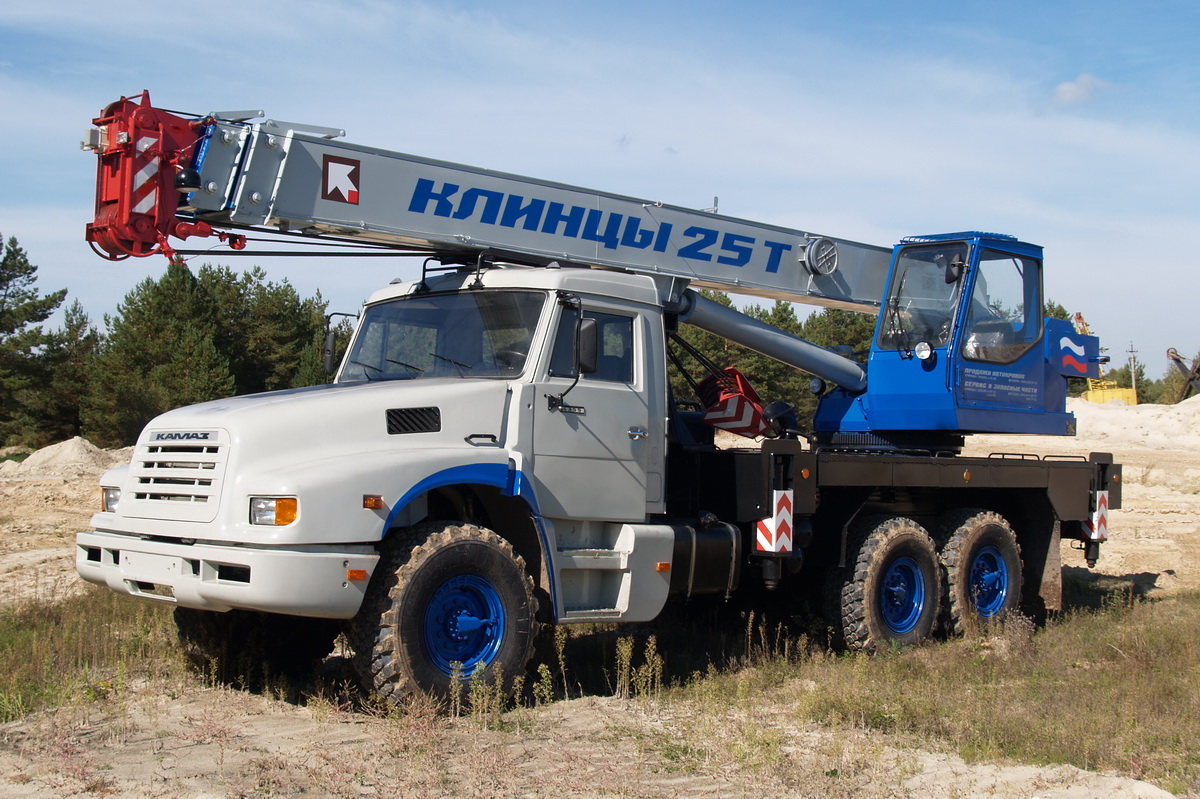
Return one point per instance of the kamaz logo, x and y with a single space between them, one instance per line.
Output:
181 437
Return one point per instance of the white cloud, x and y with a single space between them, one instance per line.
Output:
1080 90
832 135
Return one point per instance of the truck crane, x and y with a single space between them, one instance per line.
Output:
500 451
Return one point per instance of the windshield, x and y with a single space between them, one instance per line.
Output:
923 296
467 334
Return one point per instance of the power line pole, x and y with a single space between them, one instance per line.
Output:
1133 367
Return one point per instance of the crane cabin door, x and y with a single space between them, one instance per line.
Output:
599 453
999 363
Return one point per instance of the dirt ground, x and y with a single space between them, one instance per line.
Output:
177 739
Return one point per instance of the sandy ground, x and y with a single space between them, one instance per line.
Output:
172 738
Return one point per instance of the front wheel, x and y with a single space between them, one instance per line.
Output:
889 595
447 600
983 568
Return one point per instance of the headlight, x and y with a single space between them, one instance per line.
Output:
110 498
274 510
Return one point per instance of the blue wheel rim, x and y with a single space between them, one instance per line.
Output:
464 623
902 595
989 581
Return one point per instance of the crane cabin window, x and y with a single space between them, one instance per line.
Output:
923 296
1004 319
468 334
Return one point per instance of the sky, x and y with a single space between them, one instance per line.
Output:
1074 124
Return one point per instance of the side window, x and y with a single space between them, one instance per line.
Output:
615 363
1004 319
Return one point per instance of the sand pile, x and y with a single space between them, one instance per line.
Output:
76 457
1117 427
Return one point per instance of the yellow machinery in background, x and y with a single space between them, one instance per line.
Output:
1099 389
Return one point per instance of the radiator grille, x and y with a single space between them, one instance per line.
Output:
179 480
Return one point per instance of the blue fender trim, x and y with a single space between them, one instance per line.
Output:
511 483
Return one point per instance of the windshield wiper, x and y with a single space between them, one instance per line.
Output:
375 368
366 366
459 364
898 328
416 369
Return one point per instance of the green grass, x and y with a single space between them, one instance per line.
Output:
1114 687
83 647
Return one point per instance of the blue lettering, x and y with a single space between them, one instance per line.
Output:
591 228
491 205
740 246
424 193
634 236
663 238
777 248
705 238
529 215
572 219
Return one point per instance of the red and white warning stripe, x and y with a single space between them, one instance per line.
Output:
1097 526
775 533
738 415
145 184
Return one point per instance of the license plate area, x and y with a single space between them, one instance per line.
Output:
143 567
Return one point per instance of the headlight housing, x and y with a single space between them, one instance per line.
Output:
276 511
110 498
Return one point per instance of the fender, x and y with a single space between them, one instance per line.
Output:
508 478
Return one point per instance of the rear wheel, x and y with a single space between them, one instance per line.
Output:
447 600
889 595
982 563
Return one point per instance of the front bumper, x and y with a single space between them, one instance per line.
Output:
323 582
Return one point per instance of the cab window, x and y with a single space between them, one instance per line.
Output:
1004 319
615 334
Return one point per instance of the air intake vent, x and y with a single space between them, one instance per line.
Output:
413 420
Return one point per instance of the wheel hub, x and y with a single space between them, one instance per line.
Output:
902 595
989 581
463 624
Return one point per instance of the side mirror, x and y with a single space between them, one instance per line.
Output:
330 341
587 347
955 269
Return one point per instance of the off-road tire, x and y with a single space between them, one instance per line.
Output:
981 563
401 648
888 595
247 648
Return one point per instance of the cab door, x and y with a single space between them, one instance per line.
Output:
598 450
998 363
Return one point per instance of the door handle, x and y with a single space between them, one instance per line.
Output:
638 432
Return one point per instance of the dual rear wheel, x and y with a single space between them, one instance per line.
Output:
899 583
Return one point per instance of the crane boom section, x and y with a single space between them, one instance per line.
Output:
273 175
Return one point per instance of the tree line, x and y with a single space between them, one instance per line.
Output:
188 337
180 339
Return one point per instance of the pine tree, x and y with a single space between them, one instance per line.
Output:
52 406
159 354
22 341
187 338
